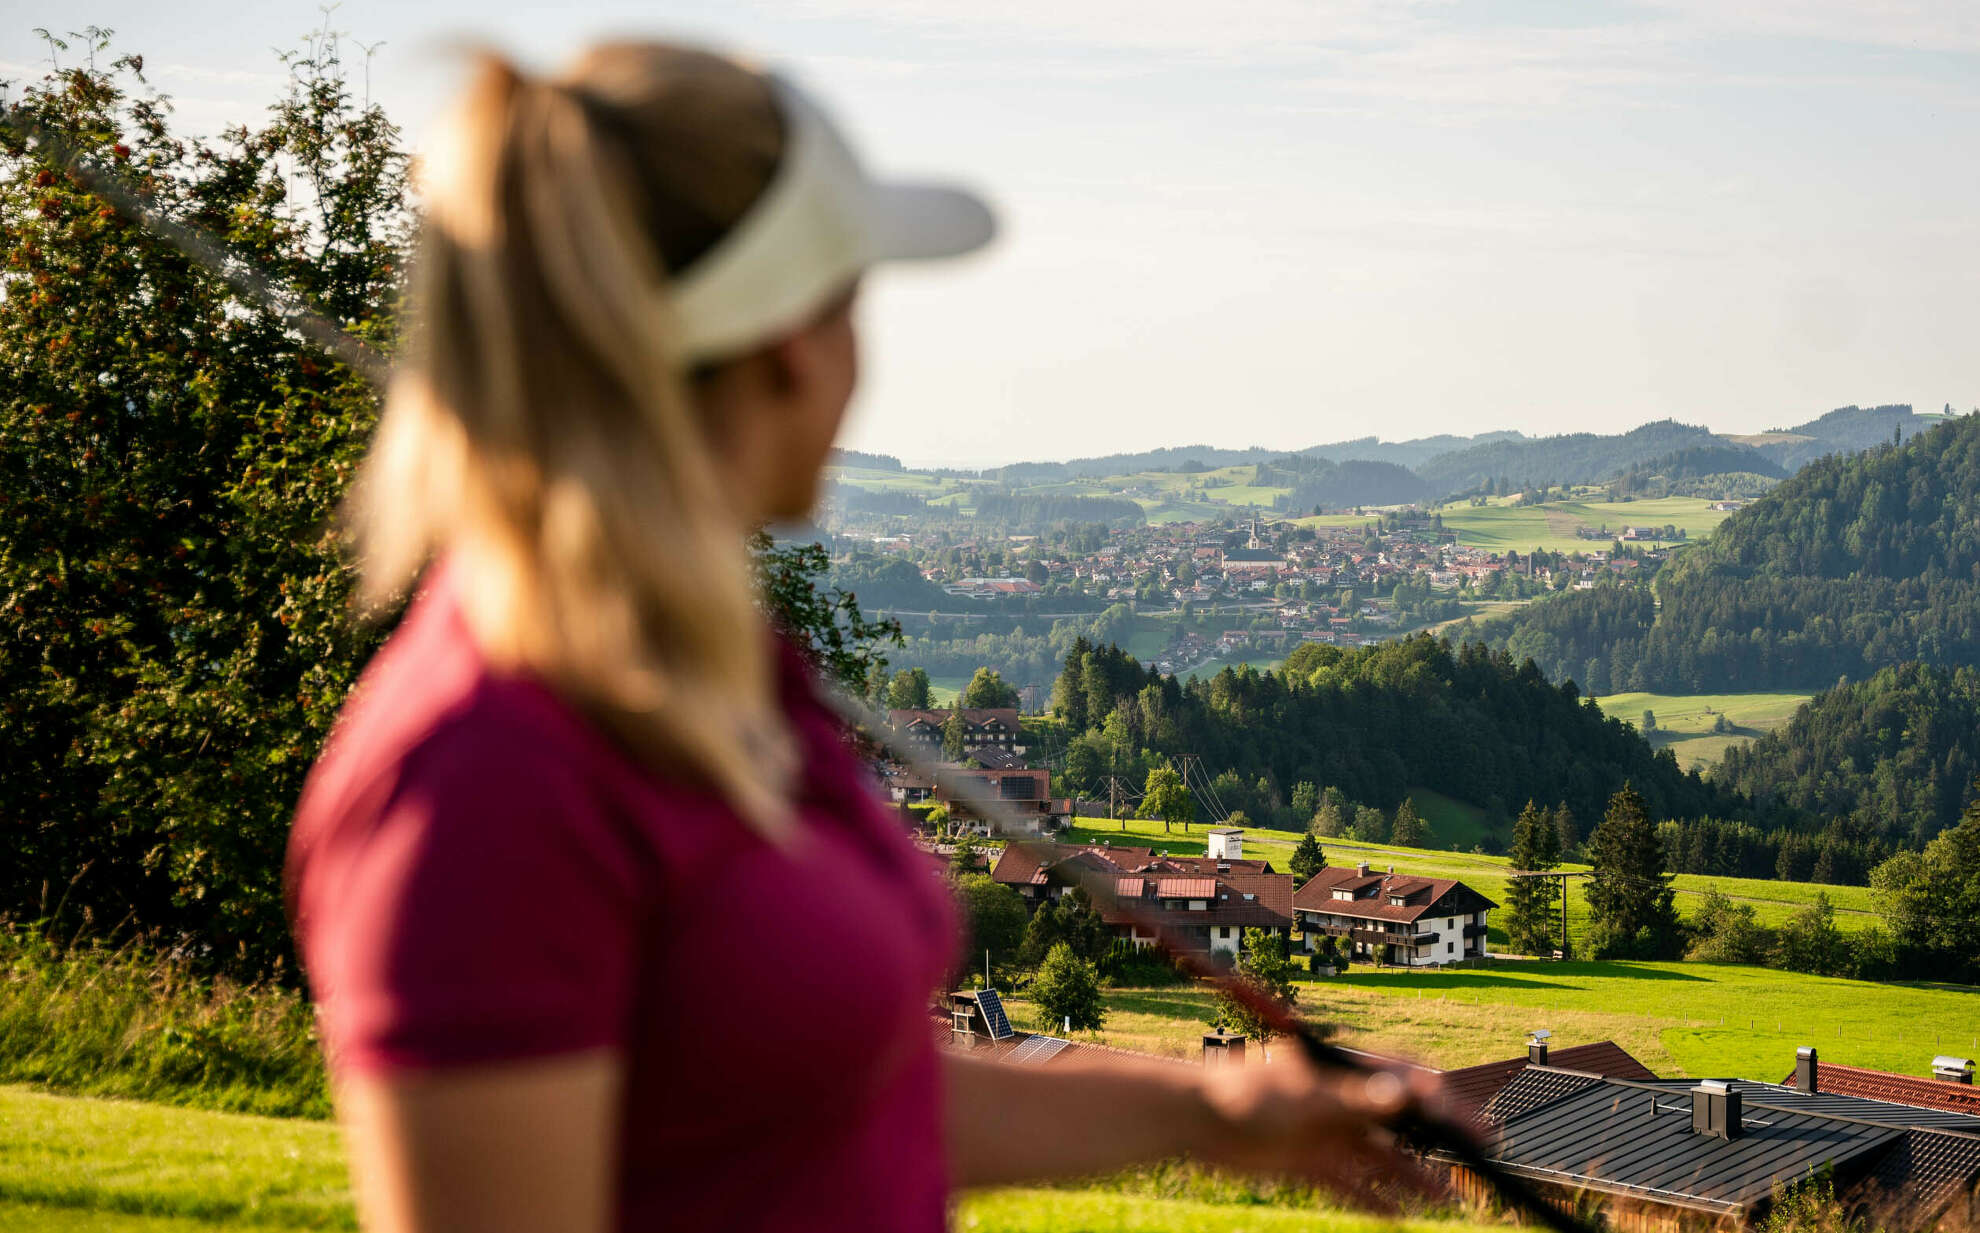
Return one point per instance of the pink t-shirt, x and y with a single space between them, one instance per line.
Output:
478 875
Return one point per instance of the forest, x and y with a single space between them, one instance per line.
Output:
1854 564
1895 754
1375 721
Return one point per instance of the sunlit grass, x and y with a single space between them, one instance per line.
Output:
1679 1019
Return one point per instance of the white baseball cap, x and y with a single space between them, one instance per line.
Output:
819 222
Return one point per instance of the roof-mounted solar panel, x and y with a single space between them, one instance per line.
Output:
1036 1051
994 1017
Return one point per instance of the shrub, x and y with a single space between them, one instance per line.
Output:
1067 990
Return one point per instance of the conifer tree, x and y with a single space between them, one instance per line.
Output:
1630 897
1307 859
1408 828
1531 902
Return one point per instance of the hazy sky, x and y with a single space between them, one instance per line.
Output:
1283 223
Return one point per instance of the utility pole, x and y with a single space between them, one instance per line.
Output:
1564 934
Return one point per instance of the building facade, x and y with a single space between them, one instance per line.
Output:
1394 919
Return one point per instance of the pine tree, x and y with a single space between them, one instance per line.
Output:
1530 902
1307 859
1566 830
1408 828
1629 897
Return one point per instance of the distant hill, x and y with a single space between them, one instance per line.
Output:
1410 454
1844 430
1328 484
1855 563
1576 458
1896 753
1661 458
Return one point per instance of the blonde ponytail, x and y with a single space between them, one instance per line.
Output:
542 437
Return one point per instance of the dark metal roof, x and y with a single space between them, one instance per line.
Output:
1837 1104
1606 1136
1474 1086
1533 1087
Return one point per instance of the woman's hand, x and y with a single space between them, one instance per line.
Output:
1329 1128
1012 1124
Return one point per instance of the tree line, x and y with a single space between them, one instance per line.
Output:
1372 723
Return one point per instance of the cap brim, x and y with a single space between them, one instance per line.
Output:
920 222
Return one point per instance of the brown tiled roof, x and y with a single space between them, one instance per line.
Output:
1020 863
1474 1086
1433 896
1205 864
1898 1089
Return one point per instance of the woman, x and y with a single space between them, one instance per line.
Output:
605 927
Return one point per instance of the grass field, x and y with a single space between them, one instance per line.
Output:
1553 526
1684 1020
1773 902
1685 721
76 1165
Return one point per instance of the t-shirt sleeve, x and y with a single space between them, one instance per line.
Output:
491 913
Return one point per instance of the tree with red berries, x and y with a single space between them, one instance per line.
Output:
174 632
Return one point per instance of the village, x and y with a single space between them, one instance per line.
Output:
1586 1121
1255 588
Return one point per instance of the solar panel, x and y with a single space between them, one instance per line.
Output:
992 1007
1035 1051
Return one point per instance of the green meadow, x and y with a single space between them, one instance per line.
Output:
76 1165
1773 902
1686 723
1683 1020
1500 526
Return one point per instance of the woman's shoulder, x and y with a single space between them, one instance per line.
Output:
431 716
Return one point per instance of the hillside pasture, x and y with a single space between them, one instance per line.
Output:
1773 902
1554 525
1683 1020
1685 721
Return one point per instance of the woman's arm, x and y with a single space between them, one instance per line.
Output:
1009 1124
517 1148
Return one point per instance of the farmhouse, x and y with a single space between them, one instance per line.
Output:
983 728
1203 902
1391 919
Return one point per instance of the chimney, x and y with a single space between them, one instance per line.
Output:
1361 869
1536 1046
1221 1048
1715 1109
1953 1069
1805 1076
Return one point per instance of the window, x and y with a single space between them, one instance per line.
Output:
1450 947
1199 905
1450 924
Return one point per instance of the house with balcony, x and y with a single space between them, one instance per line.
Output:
982 728
1393 919
1199 902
